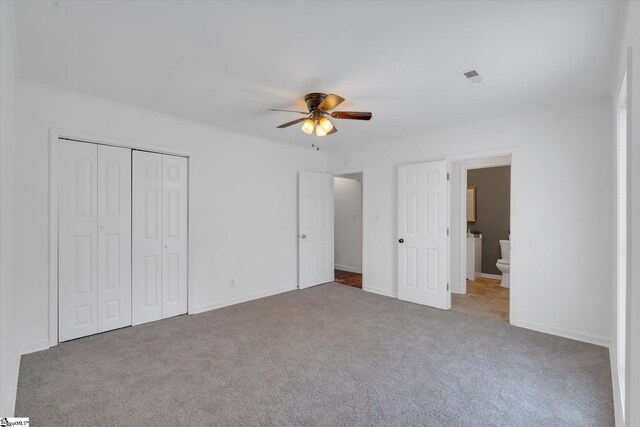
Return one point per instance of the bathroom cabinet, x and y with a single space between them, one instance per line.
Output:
474 257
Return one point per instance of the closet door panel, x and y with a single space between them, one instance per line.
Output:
77 240
174 232
146 237
114 237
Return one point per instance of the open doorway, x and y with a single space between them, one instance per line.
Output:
485 250
348 226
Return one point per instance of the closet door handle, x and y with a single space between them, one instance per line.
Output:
401 241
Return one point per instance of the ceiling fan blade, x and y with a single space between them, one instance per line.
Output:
330 102
352 115
291 123
288 111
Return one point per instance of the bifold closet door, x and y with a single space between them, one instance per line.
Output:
159 236
94 239
174 235
147 237
77 240
114 237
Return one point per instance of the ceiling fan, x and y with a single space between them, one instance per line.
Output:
319 105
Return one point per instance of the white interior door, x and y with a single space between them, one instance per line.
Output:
174 235
146 237
114 237
77 240
423 240
315 229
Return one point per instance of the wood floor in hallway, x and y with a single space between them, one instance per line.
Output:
348 278
484 297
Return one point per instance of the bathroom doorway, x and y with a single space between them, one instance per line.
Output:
349 229
484 280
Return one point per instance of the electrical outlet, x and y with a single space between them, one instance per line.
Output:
232 283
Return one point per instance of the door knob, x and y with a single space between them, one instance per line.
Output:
401 240
304 236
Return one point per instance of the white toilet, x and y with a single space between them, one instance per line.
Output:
503 263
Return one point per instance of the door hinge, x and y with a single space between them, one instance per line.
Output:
447 286
448 177
447 231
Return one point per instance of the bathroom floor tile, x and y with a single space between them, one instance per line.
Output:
484 297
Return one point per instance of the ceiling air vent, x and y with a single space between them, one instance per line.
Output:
473 76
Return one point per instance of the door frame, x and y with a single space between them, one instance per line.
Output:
363 171
54 135
481 160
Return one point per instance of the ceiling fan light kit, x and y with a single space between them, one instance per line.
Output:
319 105
307 126
325 124
320 131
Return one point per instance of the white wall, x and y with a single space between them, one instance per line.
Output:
348 224
561 183
243 199
630 37
9 356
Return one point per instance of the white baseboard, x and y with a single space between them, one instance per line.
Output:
565 333
347 268
379 291
491 276
33 347
14 384
615 383
245 298
9 395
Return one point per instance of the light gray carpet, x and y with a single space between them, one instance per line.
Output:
329 355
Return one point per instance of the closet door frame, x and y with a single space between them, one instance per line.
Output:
56 134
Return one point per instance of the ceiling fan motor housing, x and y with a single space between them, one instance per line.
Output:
313 100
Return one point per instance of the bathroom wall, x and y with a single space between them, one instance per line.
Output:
493 187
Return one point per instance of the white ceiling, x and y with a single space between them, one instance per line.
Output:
226 63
